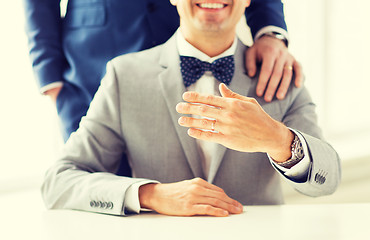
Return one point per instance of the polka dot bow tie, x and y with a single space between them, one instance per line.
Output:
192 69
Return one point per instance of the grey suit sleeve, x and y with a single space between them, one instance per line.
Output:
324 172
83 178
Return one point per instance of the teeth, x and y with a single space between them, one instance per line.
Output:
211 5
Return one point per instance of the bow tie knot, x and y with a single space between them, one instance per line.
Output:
192 69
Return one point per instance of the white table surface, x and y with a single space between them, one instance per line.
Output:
23 216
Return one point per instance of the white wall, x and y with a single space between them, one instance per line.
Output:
331 39
28 127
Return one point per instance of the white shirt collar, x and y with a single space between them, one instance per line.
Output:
186 49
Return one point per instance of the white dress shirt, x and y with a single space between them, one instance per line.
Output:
207 150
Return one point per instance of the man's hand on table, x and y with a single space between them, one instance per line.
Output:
188 198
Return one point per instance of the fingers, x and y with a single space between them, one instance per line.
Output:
266 71
219 199
298 74
276 68
212 100
194 97
285 82
210 190
215 207
286 79
204 209
213 119
226 92
198 109
203 123
203 129
275 78
212 200
191 197
230 207
206 135
251 61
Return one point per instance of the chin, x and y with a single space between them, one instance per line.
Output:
210 25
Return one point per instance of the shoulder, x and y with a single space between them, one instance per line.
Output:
143 59
135 70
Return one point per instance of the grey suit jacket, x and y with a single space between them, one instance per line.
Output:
133 113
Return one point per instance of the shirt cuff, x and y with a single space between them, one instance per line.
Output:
132 203
300 169
51 86
271 29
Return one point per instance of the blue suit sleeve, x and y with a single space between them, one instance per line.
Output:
262 13
44 30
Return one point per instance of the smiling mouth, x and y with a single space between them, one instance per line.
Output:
211 5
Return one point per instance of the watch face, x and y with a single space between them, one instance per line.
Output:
298 150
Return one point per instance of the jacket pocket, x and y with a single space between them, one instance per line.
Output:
85 13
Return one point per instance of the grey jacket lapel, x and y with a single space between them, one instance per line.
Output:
239 84
172 88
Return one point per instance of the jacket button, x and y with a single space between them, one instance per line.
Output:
320 179
92 204
323 179
109 205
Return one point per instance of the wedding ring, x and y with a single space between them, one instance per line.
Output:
288 68
213 125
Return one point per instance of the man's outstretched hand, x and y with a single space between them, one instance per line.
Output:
236 122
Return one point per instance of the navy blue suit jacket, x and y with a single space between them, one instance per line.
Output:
74 49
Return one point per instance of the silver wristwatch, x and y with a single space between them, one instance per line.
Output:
297 154
277 35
